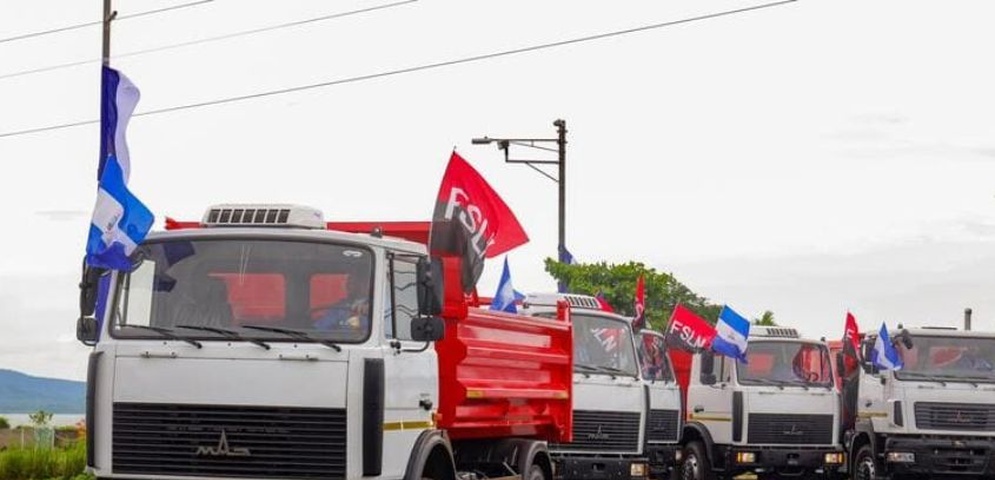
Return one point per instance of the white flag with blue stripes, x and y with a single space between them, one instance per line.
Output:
885 355
120 220
731 334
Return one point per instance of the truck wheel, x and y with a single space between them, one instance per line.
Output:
864 465
695 465
535 473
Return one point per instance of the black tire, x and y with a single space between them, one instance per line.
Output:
535 473
865 466
695 465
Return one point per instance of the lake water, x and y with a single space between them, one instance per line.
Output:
58 419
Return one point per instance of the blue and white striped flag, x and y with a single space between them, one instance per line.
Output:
118 98
884 355
120 220
504 299
731 334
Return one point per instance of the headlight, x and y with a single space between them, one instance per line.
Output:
835 458
746 457
637 469
901 457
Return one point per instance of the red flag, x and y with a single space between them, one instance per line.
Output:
600 297
471 221
639 319
688 331
851 343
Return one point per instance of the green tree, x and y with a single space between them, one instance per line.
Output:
617 283
40 418
4 423
766 319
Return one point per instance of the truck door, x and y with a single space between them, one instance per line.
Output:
411 368
664 395
710 398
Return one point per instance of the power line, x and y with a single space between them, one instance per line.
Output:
400 71
90 24
206 40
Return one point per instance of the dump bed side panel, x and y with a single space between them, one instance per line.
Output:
506 375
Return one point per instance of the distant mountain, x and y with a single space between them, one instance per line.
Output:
20 393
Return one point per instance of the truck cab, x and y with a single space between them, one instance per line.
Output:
258 343
777 413
933 417
664 422
610 398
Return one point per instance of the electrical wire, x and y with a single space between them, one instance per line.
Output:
90 24
206 40
430 66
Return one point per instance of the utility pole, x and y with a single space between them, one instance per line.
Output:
560 179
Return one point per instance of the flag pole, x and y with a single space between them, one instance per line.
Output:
106 48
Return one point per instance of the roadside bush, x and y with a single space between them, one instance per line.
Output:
43 464
4 423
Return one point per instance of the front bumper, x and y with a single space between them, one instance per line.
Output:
598 468
785 460
941 456
663 457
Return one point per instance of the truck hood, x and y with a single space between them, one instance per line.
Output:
792 400
601 392
180 375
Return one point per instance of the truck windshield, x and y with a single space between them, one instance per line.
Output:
785 363
653 358
602 345
317 291
969 359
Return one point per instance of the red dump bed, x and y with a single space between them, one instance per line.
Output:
505 375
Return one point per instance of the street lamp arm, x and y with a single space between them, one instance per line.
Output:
525 160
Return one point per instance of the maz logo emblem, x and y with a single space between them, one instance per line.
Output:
794 431
222 449
599 435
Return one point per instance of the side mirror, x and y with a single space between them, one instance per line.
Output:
427 329
430 287
840 365
707 368
88 288
905 339
708 379
86 330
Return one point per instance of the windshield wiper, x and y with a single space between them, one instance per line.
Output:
165 332
767 381
921 376
228 333
294 333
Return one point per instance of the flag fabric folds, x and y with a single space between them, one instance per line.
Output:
639 319
118 97
605 306
884 355
504 298
471 221
688 331
851 343
731 334
120 220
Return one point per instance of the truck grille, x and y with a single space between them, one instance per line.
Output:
603 432
790 429
955 416
229 441
662 426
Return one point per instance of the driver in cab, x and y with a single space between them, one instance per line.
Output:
352 312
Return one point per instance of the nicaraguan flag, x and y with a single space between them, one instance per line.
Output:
118 97
120 221
504 299
731 334
884 355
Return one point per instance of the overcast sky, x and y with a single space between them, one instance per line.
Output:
809 158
